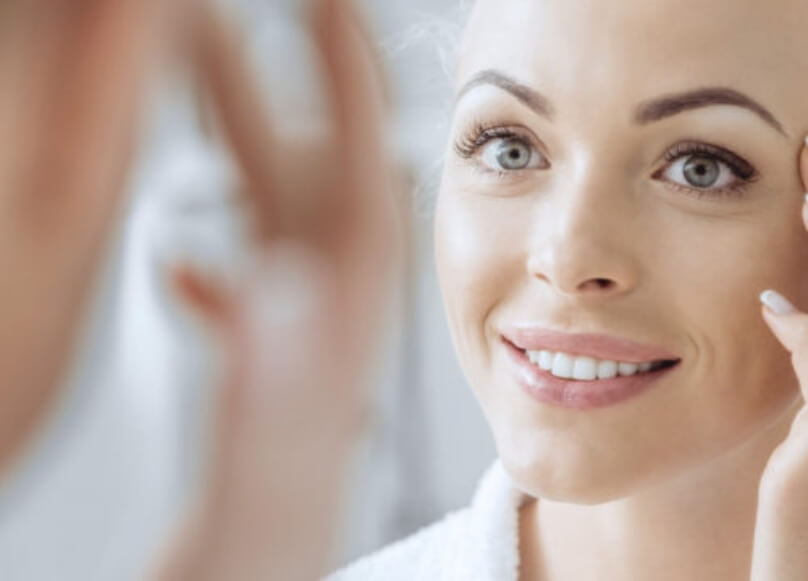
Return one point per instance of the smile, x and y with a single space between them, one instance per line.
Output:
567 379
581 368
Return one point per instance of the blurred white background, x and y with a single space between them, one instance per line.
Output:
95 495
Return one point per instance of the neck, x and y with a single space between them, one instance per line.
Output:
698 526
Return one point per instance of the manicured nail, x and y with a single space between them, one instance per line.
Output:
777 303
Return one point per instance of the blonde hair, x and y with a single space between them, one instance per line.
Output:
442 31
433 42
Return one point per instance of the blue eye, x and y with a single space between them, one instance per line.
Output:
501 149
706 169
509 154
698 171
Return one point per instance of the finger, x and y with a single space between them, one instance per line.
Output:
804 176
70 74
271 395
239 106
380 73
790 326
804 165
353 77
79 102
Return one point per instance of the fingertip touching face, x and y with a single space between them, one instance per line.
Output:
626 169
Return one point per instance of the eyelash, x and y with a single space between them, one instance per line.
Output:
740 168
468 145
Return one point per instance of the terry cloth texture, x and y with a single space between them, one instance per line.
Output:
477 543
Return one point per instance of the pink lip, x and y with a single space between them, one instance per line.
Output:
581 395
595 346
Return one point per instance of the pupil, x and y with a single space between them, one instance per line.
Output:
513 154
701 172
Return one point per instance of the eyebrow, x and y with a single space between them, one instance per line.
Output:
646 112
527 95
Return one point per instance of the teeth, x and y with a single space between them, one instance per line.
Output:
582 368
546 360
607 369
562 365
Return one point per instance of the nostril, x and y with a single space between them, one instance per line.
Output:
596 284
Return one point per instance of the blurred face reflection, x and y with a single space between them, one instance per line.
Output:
626 169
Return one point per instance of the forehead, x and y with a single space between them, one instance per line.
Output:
579 50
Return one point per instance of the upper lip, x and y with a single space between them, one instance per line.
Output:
597 346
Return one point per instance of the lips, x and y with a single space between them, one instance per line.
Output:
596 346
580 395
542 385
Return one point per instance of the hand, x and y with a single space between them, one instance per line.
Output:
72 76
299 325
781 531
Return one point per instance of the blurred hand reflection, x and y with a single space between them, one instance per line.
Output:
73 75
295 327
298 327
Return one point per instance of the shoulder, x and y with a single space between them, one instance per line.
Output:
422 555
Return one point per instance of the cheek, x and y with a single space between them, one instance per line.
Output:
479 258
742 376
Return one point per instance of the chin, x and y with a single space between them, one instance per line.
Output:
583 482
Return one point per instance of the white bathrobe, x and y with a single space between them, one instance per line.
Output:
478 543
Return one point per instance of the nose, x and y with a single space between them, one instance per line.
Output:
585 243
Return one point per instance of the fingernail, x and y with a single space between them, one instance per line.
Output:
806 140
777 303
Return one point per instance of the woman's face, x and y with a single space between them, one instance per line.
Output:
626 169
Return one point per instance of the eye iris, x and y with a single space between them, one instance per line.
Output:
701 172
513 154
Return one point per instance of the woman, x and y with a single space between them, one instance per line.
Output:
622 183
600 274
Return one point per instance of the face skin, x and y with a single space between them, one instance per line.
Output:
599 200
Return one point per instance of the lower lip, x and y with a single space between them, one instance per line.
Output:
582 395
